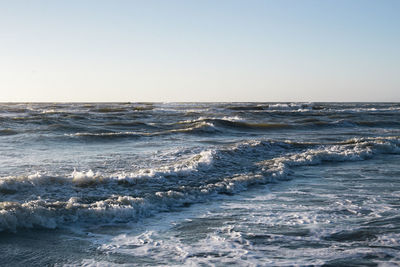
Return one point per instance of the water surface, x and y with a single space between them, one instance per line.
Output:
199 183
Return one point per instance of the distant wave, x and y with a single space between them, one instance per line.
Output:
117 129
114 121
119 109
201 127
246 125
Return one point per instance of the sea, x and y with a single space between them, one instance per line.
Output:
200 184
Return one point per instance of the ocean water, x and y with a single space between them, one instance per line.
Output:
200 184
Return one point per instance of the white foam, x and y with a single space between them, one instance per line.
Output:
200 161
17 183
352 150
291 106
85 178
95 263
198 125
50 214
105 134
227 118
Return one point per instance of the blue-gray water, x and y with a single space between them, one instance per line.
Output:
249 184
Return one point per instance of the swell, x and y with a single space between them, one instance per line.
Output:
196 128
121 109
309 123
113 121
87 197
246 125
294 106
5 132
98 129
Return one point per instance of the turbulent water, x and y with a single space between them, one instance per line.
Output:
200 184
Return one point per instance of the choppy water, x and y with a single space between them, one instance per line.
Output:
200 184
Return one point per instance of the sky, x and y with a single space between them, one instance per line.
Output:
204 50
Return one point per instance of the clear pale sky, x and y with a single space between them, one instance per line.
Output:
204 50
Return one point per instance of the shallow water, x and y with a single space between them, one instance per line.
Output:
200 184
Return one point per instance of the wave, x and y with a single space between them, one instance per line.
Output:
291 106
4 132
111 121
110 110
223 124
300 107
201 127
116 130
106 135
294 106
246 125
351 150
220 125
88 197
128 124
248 108
118 108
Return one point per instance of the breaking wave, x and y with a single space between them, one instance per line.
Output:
52 201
